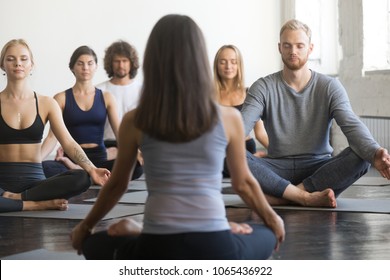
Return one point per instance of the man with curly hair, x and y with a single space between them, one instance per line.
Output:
121 64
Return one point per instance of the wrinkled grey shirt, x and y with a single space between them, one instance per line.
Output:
298 123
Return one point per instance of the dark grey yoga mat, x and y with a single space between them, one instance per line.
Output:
78 212
363 205
140 185
136 185
138 197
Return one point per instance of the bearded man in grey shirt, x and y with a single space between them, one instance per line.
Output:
297 106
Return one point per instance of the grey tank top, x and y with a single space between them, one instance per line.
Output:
184 182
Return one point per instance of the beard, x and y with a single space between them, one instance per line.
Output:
295 65
120 74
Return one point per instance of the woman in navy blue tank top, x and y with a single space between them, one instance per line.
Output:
184 136
23 115
85 110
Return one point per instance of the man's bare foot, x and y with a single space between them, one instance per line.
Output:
125 227
272 200
53 204
325 198
240 228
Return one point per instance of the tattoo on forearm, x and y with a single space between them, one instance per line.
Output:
80 157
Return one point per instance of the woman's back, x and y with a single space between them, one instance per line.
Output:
185 176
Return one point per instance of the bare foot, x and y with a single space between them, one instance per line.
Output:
272 200
325 198
125 227
240 228
12 195
53 204
68 163
260 154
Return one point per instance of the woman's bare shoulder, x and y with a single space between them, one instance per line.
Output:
229 112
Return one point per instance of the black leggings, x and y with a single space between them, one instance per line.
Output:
98 156
29 180
250 146
219 245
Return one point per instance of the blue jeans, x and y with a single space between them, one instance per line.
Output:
316 173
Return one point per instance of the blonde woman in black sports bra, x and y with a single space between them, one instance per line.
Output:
23 116
231 91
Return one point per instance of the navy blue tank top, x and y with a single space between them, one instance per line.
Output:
85 126
30 135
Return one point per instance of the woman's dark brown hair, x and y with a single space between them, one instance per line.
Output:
177 102
82 50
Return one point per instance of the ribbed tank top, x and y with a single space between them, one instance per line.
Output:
184 183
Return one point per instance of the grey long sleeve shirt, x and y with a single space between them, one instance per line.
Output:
298 123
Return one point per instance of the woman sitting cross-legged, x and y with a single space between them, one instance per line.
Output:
184 136
23 115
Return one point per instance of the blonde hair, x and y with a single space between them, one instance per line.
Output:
295 24
13 43
239 79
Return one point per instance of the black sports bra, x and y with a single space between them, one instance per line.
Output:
239 107
30 135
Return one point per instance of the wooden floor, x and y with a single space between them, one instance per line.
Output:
311 235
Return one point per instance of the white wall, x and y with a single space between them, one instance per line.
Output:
54 29
369 94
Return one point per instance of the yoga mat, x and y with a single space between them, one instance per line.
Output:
363 205
77 212
226 180
372 181
136 185
43 254
138 197
140 185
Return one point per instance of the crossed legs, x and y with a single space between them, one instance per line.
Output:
308 182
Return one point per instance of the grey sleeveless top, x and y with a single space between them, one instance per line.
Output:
184 182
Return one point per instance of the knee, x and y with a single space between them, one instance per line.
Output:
98 246
84 178
138 171
81 178
90 248
360 163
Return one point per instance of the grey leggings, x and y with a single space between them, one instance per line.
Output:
316 173
29 180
